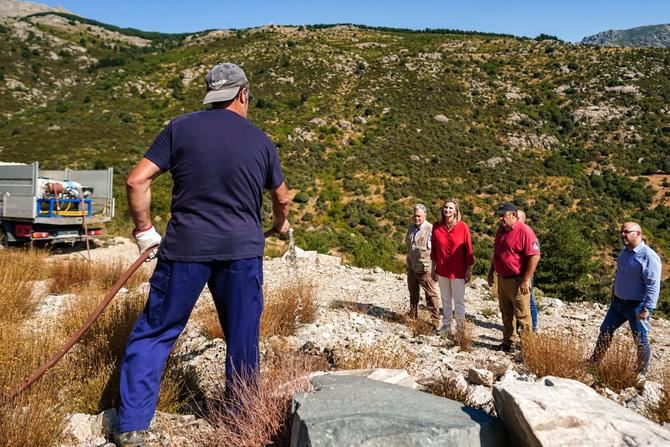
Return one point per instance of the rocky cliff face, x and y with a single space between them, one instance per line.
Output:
654 36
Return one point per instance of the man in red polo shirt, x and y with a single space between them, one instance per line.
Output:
516 253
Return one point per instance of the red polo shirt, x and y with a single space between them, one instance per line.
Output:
512 249
451 250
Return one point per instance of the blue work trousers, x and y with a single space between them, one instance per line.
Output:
618 313
236 287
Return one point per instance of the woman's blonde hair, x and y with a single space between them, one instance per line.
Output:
458 209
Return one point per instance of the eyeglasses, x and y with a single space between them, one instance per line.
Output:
629 231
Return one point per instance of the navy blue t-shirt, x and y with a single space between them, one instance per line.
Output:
220 164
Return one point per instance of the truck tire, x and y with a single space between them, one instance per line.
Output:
4 243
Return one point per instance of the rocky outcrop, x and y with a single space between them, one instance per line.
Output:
15 8
652 36
532 141
561 412
348 410
597 114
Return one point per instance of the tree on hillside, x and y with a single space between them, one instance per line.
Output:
566 268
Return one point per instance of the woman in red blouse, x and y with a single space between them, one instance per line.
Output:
451 252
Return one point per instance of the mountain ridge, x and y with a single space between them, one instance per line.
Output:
647 36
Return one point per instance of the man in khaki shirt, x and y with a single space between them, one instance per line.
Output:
419 266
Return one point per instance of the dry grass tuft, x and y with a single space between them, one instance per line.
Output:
93 365
73 275
451 388
34 417
618 368
464 337
18 270
489 312
378 355
418 326
86 379
208 321
285 310
288 308
660 411
258 415
553 354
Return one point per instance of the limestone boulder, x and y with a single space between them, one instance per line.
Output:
562 412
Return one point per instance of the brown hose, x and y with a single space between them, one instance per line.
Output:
75 338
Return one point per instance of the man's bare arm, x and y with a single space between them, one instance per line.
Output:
281 202
138 190
525 285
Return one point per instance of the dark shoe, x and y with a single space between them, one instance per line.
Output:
504 347
133 438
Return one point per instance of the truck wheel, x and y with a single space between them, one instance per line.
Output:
4 243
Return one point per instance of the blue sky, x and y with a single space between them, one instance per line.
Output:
570 20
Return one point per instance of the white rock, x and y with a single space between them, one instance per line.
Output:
481 376
562 412
479 396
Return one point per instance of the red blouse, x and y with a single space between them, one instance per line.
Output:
451 250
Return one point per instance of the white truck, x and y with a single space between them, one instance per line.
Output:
55 206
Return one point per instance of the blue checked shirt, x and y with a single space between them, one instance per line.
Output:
638 275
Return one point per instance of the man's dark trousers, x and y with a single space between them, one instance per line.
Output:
236 287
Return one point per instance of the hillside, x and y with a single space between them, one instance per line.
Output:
370 121
652 36
357 324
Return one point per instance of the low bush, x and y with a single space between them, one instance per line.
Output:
464 337
618 368
450 387
660 411
257 414
418 326
553 354
18 271
285 310
72 275
91 371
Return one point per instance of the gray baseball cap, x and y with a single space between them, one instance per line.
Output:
224 82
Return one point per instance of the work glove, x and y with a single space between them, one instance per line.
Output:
146 239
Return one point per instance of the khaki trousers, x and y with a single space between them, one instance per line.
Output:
513 305
416 282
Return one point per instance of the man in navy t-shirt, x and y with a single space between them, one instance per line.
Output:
220 164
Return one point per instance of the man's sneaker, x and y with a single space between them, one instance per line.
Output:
133 438
504 347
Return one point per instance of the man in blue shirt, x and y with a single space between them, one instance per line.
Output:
637 284
220 164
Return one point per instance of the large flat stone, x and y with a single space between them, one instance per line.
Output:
563 412
394 376
355 411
